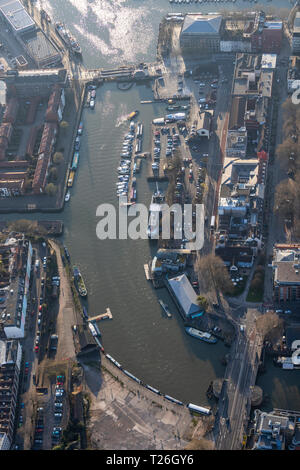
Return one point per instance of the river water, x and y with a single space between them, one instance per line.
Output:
150 346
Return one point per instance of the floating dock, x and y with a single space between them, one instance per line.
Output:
103 316
147 272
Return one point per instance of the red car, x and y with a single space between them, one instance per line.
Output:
36 348
40 308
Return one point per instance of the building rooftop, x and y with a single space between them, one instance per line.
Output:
204 121
287 273
39 47
275 25
185 294
236 143
297 23
237 113
197 24
16 15
9 352
286 264
269 61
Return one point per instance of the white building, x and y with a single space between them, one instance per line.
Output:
13 307
204 125
268 61
4 441
16 16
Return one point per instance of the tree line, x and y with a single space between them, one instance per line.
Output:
287 193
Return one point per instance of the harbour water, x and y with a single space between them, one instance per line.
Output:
152 347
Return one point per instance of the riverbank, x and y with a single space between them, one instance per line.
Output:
124 418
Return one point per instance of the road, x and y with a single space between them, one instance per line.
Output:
240 377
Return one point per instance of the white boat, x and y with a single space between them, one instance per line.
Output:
67 196
203 335
165 308
155 210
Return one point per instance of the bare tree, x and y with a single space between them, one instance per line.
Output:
285 195
213 274
200 444
269 324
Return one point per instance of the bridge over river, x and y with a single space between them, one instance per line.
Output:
240 377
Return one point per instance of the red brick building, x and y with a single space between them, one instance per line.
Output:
11 111
286 273
272 37
6 130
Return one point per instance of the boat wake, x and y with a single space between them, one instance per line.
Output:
121 120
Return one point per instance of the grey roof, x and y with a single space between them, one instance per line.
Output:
202 24
185 294
39 46
286 273
16 15
204 121
269 419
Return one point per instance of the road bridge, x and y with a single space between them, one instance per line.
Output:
235 398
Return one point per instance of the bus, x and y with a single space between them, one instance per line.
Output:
199 409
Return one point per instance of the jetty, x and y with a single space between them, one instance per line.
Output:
103 316
147 272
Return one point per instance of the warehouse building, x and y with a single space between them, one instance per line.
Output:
201 33
40 49
185 297
286 273
272 35
16 16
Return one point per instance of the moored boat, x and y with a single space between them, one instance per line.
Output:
67 38
67 253
79 282
155 210
71 179
132 115
80 128
75 161
165 307
202 335
85 313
